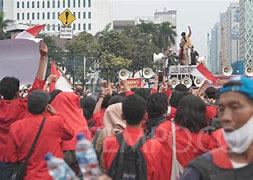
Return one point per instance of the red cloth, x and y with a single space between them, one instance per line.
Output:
98 118
172 113
21 137
129 93
11 111
219 137
211 112
221 159
151 150
68 105
191 145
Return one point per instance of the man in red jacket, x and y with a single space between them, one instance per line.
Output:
236 117
133 108
12 107
22 134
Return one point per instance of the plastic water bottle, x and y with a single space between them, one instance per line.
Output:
58 168
87 158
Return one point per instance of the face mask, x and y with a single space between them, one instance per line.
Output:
239 140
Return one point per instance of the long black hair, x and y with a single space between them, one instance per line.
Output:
191 113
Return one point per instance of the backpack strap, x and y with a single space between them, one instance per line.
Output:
35 142
152 124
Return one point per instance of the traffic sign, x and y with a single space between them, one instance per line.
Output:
66 17
66 33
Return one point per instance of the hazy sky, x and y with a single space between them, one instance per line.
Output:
201 15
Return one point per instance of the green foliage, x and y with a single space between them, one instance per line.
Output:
3 24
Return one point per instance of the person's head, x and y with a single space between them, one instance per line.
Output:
235 104
143 92
210 93
181 87
79 90
134 109
191 113
192 48
9 87
175 98
37 101
53 94
88 105
116 99
157 105
183 34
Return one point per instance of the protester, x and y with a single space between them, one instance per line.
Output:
22 134
235 113
157 127
194 56
88 105
12 107
190 140
186 45
133 108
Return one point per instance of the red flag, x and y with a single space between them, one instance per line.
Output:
203 73
30 33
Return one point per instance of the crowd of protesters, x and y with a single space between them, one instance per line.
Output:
181 133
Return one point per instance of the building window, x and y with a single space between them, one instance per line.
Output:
48 27
48 4
17 4
79 26
59 27
89 4
53 27
18 16
84 15
74 26
89 15
58 14
74 13
23 4
84 26
38 4
43 15
33 16
23 16
58 3
48 15
53 4
43 4
74 3
28 16
38 16
89 26
79 3
84 3
53 15
27 4
79 15
68 3
63 3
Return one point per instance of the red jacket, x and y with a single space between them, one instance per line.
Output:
219 138
151 150
11 111
22 134
67 104
190 145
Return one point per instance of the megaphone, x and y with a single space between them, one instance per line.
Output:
174 81
157 57
249 71
124 74
227 71
147 73
198 82
187 82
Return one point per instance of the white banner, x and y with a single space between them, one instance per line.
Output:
19 58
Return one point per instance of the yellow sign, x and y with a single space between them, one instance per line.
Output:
66 17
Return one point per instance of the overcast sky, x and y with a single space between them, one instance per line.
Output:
201 15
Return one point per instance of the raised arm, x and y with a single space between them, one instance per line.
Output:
190 31
43 61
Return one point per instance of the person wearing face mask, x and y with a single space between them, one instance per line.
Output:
235 160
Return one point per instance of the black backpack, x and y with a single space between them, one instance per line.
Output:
152 124
129 163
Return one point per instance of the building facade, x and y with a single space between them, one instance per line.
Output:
246 32
215 43
91 15
1 5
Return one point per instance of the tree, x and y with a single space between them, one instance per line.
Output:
84 45
3 24
110 65
163 34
